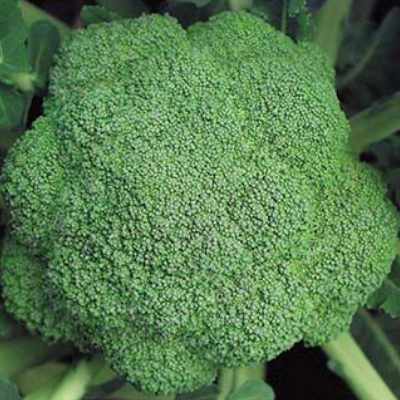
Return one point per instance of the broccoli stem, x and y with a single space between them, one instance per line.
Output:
19 354
32 14
244 374
77 380
127 392
230 379
225 383
375 123
356 370
46 391
330 26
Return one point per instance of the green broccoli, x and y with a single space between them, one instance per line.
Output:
193 202
32 300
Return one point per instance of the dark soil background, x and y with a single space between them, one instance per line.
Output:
301 373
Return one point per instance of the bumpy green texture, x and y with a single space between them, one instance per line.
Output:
194 200
31 299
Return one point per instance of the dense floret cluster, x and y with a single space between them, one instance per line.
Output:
189 201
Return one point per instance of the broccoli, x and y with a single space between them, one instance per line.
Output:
191 203
32 300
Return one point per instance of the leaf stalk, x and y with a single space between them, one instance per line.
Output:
354 367
375 123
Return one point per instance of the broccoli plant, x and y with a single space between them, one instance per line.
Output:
189 204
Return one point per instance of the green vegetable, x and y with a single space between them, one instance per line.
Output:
28 42
8 390
188 204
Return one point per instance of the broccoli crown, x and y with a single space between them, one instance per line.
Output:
193 198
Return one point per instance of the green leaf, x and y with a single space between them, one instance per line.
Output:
300 12
331 21
9 16
387 297
7 326
105 389
293 17
375 123
36 377
296 7
253 390
271 11
4 327
13 36
12 108
8 390
127 392
32 14
43 42
206 393
97 14
125 8
237 5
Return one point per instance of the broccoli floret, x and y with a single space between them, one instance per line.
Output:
204 207
30 298
34 165
139 356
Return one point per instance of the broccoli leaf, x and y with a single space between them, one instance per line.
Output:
206 393
125 8
105 389
25 59
13 36
39 376
296 7
97 14
6 326
44 40
253 390
12 108
113 391
387 297
299 11
8 390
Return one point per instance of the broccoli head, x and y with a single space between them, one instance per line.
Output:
193 199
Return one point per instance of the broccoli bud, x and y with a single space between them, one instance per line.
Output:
193 200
